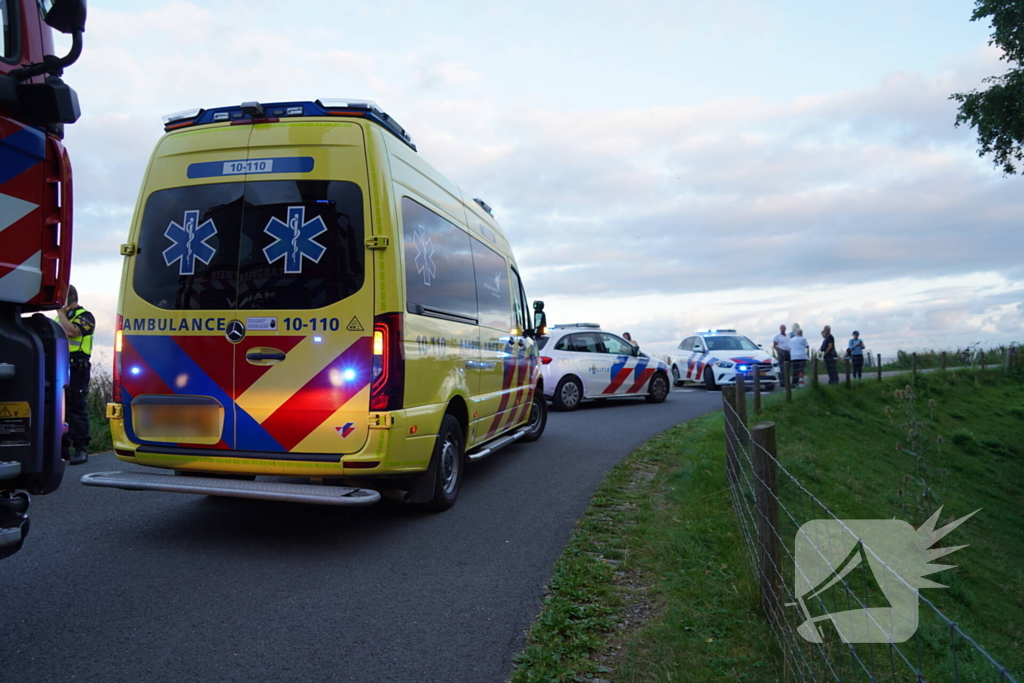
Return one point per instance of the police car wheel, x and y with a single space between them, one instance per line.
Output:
538 418
568 394
447 462
676 379
709 379
658 389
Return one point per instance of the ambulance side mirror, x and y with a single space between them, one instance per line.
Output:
540 318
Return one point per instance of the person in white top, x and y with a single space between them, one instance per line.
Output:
781 346
798 351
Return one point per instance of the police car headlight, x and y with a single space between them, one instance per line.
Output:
723 364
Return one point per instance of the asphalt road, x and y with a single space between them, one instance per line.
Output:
140 586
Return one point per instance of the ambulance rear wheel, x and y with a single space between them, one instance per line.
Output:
709 379
448 461
568 394
659 389
538 417
676 379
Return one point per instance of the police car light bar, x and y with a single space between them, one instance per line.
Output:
716 331
594 326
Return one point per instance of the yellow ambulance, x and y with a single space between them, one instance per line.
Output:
311 312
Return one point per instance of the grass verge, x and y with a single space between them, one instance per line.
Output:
655 584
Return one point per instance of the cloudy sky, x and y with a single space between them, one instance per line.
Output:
659 166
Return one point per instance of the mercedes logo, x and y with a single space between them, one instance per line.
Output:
236 331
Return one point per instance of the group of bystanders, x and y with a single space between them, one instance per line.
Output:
795 349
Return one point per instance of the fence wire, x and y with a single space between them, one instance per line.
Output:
771 518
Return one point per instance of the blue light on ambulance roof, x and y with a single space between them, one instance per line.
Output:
317 339
348 375
135 370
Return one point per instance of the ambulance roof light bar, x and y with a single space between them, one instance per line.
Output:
257 112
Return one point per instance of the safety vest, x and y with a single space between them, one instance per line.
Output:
83 343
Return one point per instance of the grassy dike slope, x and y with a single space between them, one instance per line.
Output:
655 583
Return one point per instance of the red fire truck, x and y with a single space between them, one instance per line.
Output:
35 251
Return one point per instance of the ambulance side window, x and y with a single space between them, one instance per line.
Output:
520 318
492 291
439 275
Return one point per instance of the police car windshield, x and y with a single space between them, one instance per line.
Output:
723 343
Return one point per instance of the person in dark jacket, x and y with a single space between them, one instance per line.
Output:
828 351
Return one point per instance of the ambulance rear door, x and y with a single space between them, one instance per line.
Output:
303 359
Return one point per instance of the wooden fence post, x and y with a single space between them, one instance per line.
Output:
943 360
913 365
731 432
767 501
982 358
814 371
848 361
741 400
1006 365
879 367
757 392
788 372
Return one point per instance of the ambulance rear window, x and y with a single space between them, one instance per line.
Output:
276 244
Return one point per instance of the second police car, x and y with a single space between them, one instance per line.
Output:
581 361
715 357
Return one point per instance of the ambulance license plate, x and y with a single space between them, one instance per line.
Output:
170 422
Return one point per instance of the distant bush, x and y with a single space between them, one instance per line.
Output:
101 392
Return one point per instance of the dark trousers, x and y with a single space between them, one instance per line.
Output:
858 365
833 373
798 372
76 412
783 359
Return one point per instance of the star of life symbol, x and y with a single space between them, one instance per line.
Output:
424 255
189 243
294 241
861 564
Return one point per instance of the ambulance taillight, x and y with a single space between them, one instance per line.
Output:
387 386
545 360
118 341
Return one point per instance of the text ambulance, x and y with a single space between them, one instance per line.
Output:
303 296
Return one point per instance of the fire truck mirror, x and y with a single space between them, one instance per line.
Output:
67 16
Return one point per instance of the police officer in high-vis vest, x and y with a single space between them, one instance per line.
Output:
79 325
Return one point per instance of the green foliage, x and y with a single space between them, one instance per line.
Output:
101 388
677 540
998 112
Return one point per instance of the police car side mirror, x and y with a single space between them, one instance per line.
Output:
761 346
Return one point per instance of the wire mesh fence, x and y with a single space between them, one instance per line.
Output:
842 605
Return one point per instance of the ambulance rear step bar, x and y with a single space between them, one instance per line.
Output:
234 488
497 444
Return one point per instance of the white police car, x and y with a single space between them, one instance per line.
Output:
581 361
714 357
